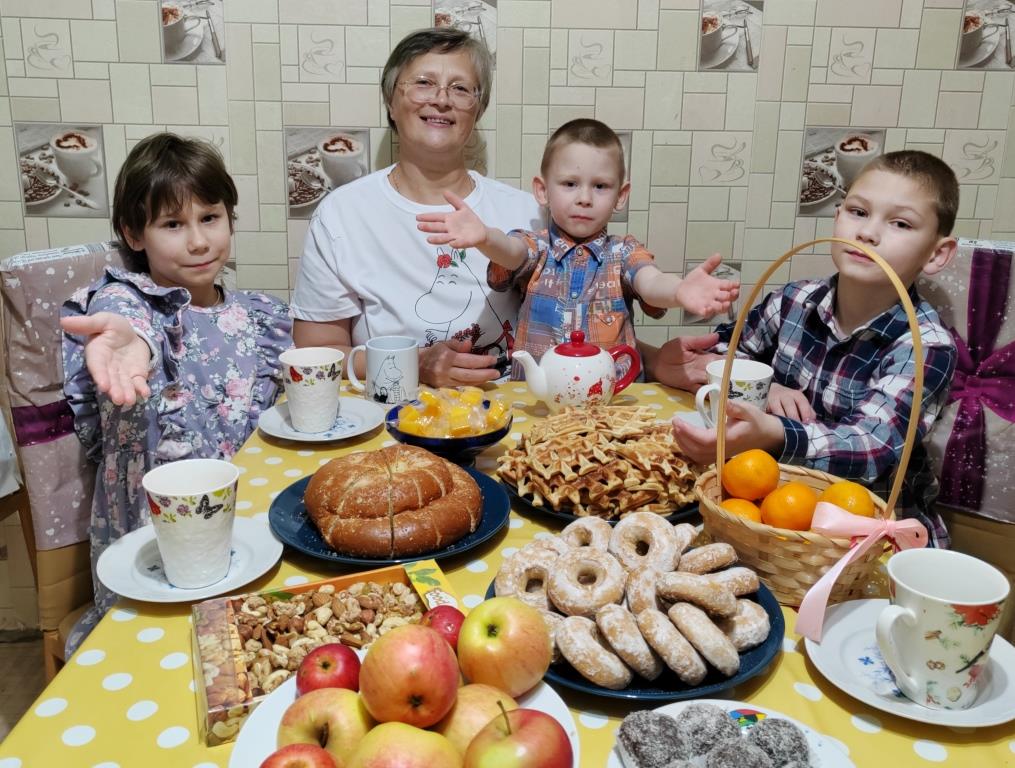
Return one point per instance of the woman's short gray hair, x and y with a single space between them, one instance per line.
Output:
437 40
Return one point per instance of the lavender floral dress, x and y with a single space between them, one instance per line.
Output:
214 371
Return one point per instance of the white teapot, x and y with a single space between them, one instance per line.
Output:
576 373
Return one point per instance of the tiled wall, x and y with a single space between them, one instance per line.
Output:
650 87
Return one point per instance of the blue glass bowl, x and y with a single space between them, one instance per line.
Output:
460 450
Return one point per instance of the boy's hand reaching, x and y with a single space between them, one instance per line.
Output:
746 427
461 228
703 294
117 358
791 403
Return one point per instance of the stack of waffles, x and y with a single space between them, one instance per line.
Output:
604 461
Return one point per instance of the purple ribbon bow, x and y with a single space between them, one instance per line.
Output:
983 376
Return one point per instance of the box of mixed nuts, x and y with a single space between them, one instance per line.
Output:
247 645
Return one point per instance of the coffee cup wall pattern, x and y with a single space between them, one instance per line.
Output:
76 155
341 158
972 33
711 34
852 153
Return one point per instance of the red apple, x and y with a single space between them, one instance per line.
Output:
504 643
396 745
410 675
476 705
447 620
523 738
299 756
332 718
328 666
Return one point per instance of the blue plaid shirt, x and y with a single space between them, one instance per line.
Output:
860 386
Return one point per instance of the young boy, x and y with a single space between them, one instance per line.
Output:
841 347
574 275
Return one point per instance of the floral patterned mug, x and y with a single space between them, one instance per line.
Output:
936 634
192 505
749 383
313 378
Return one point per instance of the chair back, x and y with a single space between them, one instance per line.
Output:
972 442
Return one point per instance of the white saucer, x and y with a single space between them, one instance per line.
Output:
355 416
849 658
190 43
723 53
988 44
824 751
257 736
132 567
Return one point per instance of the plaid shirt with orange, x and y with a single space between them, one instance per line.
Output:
570 286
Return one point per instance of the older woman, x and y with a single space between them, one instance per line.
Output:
368 271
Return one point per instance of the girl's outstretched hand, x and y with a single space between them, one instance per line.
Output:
705 295
117 358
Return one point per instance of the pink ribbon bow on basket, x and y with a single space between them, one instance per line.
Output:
837 523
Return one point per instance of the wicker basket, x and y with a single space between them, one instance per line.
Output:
790 562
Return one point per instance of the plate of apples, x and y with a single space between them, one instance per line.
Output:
402 702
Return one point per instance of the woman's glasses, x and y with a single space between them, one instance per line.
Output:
422 90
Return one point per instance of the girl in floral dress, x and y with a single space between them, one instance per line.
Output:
163 363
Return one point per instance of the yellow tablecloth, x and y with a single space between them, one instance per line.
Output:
126 698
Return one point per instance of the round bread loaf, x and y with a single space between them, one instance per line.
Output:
400 500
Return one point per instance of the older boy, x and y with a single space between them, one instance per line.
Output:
841 347
574 275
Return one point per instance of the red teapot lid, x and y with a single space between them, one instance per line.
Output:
577 346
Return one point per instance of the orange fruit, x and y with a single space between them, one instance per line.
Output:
744 508
752 474
851 496
790 506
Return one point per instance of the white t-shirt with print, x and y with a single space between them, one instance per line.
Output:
364 258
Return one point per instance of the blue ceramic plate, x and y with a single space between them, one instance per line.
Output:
290 523
669 687
683 515
456 449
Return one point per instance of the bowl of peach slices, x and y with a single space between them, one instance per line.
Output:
453 422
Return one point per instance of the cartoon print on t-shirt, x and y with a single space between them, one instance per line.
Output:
387 384
450 295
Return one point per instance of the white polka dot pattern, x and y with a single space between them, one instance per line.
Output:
77 735
478 566
866 723
809 692
471 601
142 710
173 737
122 614
50 707
174 660
593 719
151 635
930 751
90 658
117 681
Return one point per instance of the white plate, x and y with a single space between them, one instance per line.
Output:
824 752
257 737
723 53
982 52
132 567
355 416
849 658
190 43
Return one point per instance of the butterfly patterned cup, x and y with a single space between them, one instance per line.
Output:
313 377
935 635
749 383
192 505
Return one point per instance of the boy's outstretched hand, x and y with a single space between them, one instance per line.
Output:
117 358
747 427
461 228
703 294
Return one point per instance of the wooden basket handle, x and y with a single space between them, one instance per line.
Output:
907 448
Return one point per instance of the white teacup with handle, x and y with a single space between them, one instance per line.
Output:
749 383
935 636
392 369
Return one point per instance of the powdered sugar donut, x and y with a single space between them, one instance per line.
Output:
641 589
584 580
679 586
618 626
672 646
525 575
708 558
743 581
644 538
706 637
553 543
748 627
584 650
591 532
553 622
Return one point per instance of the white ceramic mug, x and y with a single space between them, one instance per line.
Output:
852 153
749 383
972 33
313 378
936 634
193 504
341 158
175 25
711 39
392 369
76 155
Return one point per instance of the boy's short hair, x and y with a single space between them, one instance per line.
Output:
584 130
930 172
161 173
